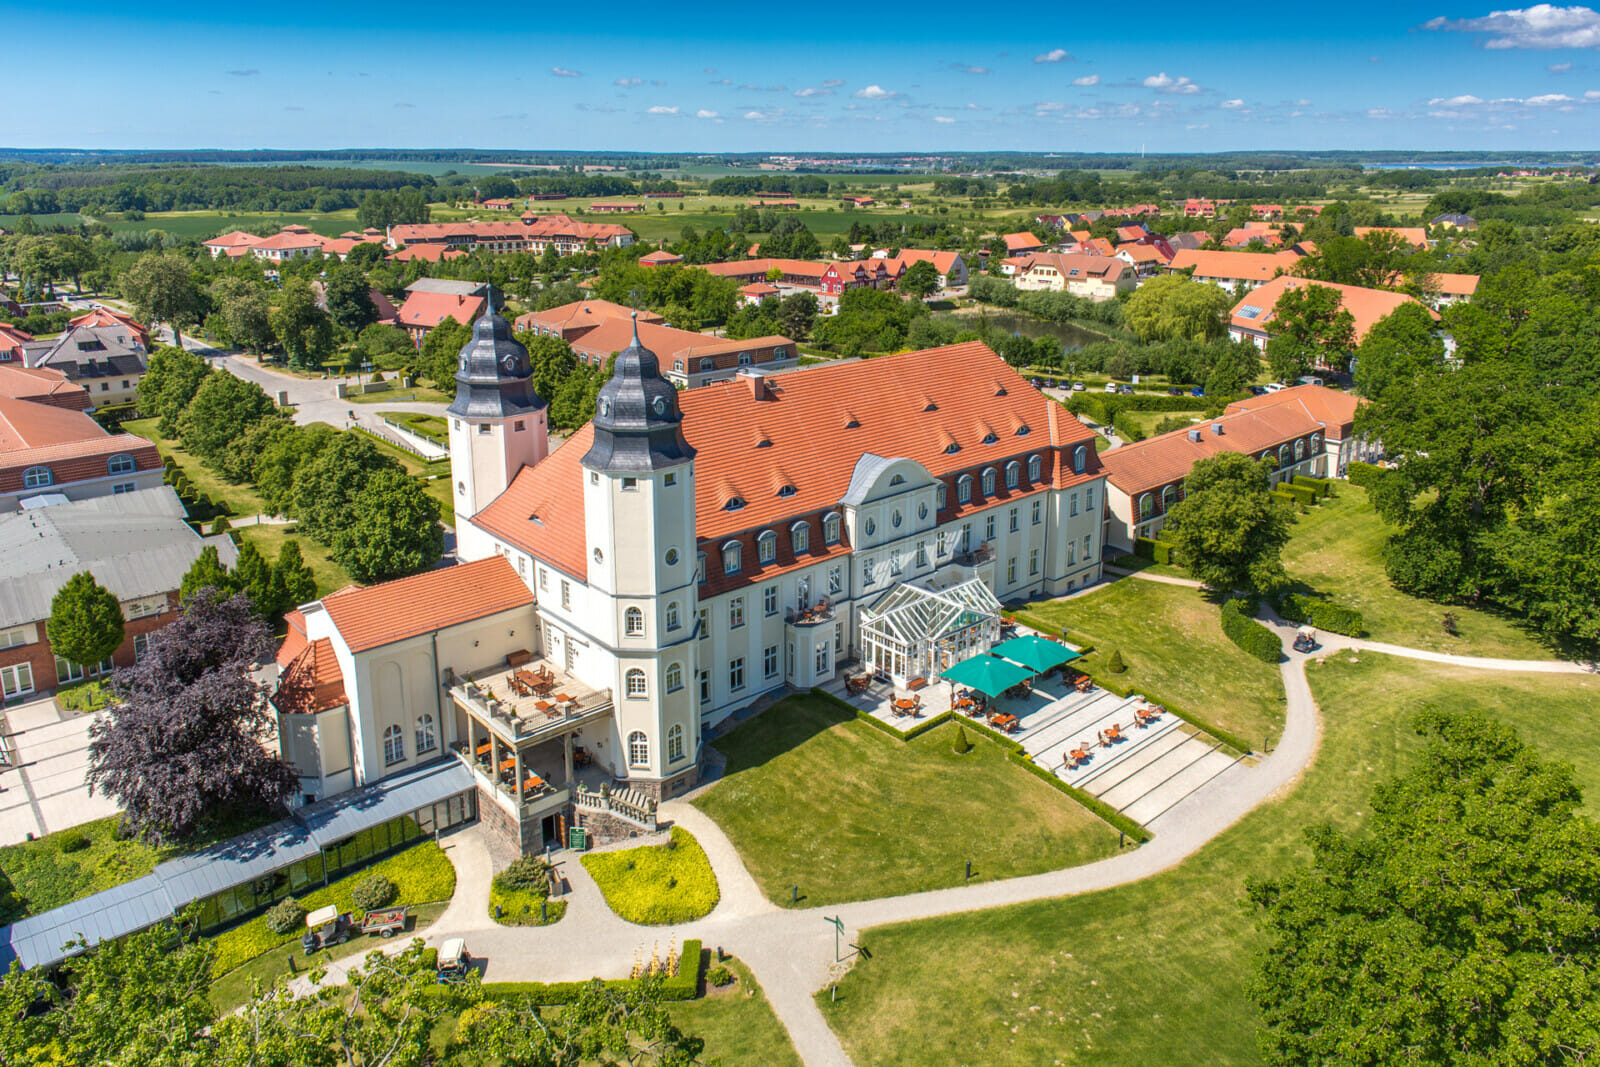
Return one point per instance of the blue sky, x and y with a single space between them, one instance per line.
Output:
930 77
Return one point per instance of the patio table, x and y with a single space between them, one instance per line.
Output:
483 749
563 698
509 763
905 707
533 783
1006 722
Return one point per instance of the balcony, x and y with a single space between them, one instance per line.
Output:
984 553
521 718
821 612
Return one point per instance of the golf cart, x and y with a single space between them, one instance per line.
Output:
326 927
1305 639
453 960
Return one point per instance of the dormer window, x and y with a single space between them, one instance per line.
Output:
1013 474
787 490
1080 459
988 481
1034 465
120 464
732 558
898 479
830 528
733 504
767 547
989 438
951 449
800 537
964 489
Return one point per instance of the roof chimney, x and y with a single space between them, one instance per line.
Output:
757 382
1194 435
1216 428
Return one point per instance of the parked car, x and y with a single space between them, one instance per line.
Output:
1258 390
1126 389
453 960
326 927
1197 391
1077 387
1038 383
1174 390
1273 387
1111 387
1308 379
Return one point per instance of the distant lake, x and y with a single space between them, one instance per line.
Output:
1069 335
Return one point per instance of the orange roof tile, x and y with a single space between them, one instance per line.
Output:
311 681
428 253
100 315
233 239
430 309
1335 409
580 314
1366 306
1455 284
1021 242
818 424
393 611
1415 236
1249 266
42 385
26 425
1168 457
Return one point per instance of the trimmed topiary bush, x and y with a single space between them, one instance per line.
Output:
719 976
1115 664
529 872
372 892
285 917
1363 474
1249 634
220 525
962 746
72 841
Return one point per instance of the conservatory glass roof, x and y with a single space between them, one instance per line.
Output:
914 614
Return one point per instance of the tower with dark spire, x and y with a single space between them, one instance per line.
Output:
498 422
641 557
637 425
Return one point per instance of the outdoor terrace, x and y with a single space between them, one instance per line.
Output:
520 713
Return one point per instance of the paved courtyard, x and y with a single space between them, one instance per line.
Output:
43 789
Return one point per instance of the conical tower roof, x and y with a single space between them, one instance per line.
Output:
638 427
494 377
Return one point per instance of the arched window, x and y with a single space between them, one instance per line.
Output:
830 528
638 749
988 481
1268 457
675 742
744 359
674 619
674 677
1080 459
1169 496
732 558
767 546
1284 453
633 622
800 537
1147 504
1316 443
964 489
394 745
1034 466
943 495
708 364
635 686
426 738
677 365
36 477
122 463
1013 474
1299 449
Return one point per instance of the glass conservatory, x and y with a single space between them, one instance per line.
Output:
916 631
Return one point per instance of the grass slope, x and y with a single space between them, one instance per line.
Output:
1336 549
1171 640
1155 972
815 798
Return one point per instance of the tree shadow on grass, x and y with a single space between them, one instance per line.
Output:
785 726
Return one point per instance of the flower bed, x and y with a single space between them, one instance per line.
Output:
657 884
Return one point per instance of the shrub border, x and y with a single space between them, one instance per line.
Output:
685 985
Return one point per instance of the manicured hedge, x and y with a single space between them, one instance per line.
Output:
1323 614
657 885
1286 497
685 985
1302 494
1321 486
1363 474
1249 634
1156 550
921 727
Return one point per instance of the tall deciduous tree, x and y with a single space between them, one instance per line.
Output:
391 530
223 409
190 736
1228 529
162 290
441 351
85 621
168 386
349 299
920 279
326 487
1462 924
1177 307
206 572
304 329
246 313
1310 325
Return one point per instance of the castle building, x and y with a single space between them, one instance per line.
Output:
681 556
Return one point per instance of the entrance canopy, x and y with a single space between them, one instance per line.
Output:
987 674
1034 652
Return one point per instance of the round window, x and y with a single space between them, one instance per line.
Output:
604 407
659 405
871 527
894 520
672 557
599 556
922 511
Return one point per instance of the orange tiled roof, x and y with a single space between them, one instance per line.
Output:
393 611
1021 242
1249 266
1415 236
661 255
73 461
1455 284
809 434
233 239
24 424
943 262
100 315
42 385
580 314
804 268
311 681
1366 306
429 253
430 309
1335 409
288 239
1168 457
1142 253
1106 268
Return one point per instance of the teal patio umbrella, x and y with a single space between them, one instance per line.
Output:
987 674
1034 652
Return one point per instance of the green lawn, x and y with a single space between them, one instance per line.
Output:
241 499
1336 550
815 798
1171 640
54 870
1155 972
416 392
736 1022
269 539
90 694
657 885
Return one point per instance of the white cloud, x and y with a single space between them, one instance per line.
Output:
874 92
943 118
1055 55
704 114
1540 27
1166 83
1087 79
754 115
1559 68
1049 105
627 82
723 81
832 83
976 107
662 109
1302 103
1548 99
810 91
1592 94
1232 105
1380 113
1454 101
968 69
563 72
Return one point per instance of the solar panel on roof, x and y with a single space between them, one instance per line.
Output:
1249 311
